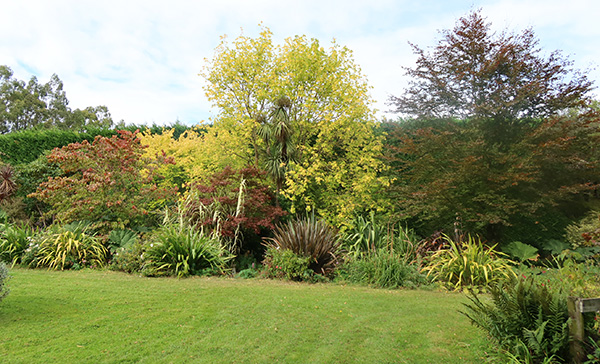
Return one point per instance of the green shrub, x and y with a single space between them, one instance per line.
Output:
384 269
285 264
129 258
71 248
366 236
4 276
14 240
524 318
309 238
585 232
183 251
468 264
25 146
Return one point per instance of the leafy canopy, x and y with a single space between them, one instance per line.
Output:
476 73
29 105
329 119
490 142
107 182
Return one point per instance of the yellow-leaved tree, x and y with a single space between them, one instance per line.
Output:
326 119
197 153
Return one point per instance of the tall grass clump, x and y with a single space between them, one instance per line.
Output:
183 251
366 235
71 246
14 240
468 263
384 268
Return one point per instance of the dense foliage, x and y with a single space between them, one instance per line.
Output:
106 182
525 318
328 121
384 268
29 105
234 204
25 146
489 141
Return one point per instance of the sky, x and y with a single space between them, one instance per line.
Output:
142 59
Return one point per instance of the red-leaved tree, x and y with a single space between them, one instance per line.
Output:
108 183
235 201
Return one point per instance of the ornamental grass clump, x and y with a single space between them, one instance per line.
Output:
310 238
384 268
182 250
71 248
468 263
14 240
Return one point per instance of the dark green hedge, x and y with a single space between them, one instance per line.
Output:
24 147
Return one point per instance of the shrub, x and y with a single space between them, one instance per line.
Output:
468 264
22 147
383 269
524 318
585 232
285 264
232 203
130 258
310 238
183 251
71 249
4 276
107 182
14 240
29 176
366 236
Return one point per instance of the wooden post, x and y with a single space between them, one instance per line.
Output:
577 307
576 330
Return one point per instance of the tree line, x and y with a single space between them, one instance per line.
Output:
492 137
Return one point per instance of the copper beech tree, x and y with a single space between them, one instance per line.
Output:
107 182
486 138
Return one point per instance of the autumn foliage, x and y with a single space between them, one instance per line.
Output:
107 182
235 198
498 136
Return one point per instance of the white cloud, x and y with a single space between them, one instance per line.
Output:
142 58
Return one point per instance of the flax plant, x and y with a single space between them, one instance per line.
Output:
468 264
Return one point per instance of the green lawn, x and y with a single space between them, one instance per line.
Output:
108 317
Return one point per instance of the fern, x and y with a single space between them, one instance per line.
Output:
524 315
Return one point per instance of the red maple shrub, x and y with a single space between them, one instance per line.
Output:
217 201
107 182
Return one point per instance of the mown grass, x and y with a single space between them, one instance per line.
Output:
108 317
